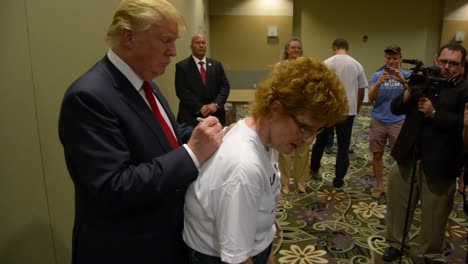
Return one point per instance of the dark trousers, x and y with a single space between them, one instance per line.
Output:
330 139
200 258
343 137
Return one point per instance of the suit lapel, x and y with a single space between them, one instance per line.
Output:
135 101
208 71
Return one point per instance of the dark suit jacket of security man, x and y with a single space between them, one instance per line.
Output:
193 94
438 140
129 183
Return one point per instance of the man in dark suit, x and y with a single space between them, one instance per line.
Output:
201 85
130 170
430 142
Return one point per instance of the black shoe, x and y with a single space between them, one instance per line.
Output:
338 183
391 254
314 175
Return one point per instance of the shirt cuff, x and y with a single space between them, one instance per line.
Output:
194 159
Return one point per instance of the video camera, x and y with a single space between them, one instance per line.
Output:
424 80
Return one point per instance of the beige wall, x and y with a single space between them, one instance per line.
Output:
45 46
452 26
252 7
455 19
414 25
241 42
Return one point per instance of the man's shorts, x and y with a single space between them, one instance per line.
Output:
379 132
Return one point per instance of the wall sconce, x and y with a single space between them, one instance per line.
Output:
272 32
459 36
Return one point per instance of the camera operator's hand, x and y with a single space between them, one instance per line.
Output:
425 106
408 92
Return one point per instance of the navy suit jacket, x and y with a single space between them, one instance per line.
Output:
193 94
129 183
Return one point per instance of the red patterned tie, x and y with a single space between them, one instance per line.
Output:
154 107
202 72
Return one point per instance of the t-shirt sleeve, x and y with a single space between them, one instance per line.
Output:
362 79
374 78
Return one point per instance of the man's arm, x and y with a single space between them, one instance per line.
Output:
375 83
361 93
400 104
362 84
248 261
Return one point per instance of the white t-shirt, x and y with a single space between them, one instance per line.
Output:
351 75
230 209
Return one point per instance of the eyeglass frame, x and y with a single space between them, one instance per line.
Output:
449 62
306 133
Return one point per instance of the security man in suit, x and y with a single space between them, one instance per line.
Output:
201 85
129 160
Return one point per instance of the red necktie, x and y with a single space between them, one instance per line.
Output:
202 72
154 107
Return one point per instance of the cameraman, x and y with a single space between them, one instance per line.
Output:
430 141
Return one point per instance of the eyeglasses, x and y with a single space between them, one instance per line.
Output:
306 131
449 62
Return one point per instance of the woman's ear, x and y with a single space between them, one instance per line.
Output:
276 106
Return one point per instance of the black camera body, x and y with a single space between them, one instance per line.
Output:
425 80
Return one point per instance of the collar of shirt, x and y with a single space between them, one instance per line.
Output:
197 61
123 67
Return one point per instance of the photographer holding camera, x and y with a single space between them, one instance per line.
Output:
428 154
385 84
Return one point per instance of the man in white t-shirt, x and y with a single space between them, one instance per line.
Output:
353 78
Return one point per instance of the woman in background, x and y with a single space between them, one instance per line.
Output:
300 156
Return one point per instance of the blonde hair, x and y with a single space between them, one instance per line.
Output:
303 85
284 54
139 15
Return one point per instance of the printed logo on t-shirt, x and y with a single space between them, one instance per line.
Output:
391 84
275 188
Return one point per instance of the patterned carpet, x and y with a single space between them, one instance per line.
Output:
325 225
